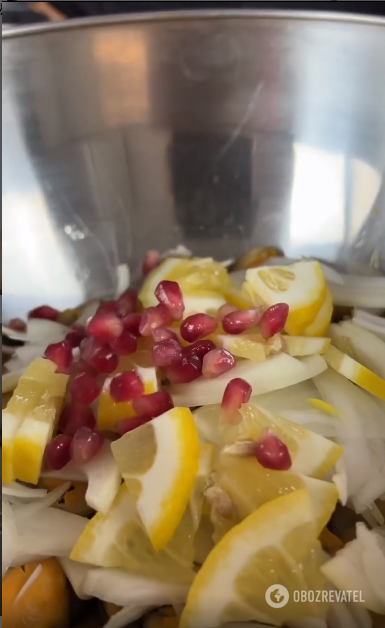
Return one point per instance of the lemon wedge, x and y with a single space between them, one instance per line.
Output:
321 323
276 545
110 411
358 374
118 539
301 285
159 463
29 420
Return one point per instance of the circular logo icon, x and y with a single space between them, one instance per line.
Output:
277 596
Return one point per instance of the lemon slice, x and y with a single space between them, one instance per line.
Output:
159 462
118 539
249 486
162 272
248 346
29 420
277 545
321 323
302 286
358 374
110 411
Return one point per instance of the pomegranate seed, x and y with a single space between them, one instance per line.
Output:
61 354
199 348
126 344
131 323
86 444
242 320
99 355
166 353
127 425
185 371
126 387
153 405
237 392
127 303
163 333
105 327
58 452
198 326
82 367
272 453
151 261
76 335
75 416
217 362
107 307
226 309
44 311
17 324
274 320
154 317
169 293
85 388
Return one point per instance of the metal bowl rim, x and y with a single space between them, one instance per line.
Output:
169 16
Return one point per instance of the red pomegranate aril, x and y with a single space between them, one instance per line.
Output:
127 425
237 392
84 387
126 387
151 261
61 354
82 367
153 405
17 324
99 355
131 323
199 348
105 327
272 453
75 416
241 320
185 371
127 303
58 452
86 444
153 318
46 312
126 344
198 326
166 353
163 333
226 309
76 335
274 320
217 362
107 307
170 294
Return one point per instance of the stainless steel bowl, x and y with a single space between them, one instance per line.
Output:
219 131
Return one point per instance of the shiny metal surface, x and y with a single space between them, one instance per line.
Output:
218 131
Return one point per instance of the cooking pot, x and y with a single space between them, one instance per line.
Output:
220 131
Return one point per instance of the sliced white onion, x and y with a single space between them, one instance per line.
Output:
368 349
104 480
43 331
375 324
126 616
22 492
26 511
71 473
76 574
9 535
279 371
348 615
122 279
362 292
123 589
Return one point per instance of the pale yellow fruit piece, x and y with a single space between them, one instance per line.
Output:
311 453
277 544
118 539
322 321
159 462
243 346
28 449
110 411
355 372
249 486
299 346
202 301
301 285
10 427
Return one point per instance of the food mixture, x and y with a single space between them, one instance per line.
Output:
209 450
